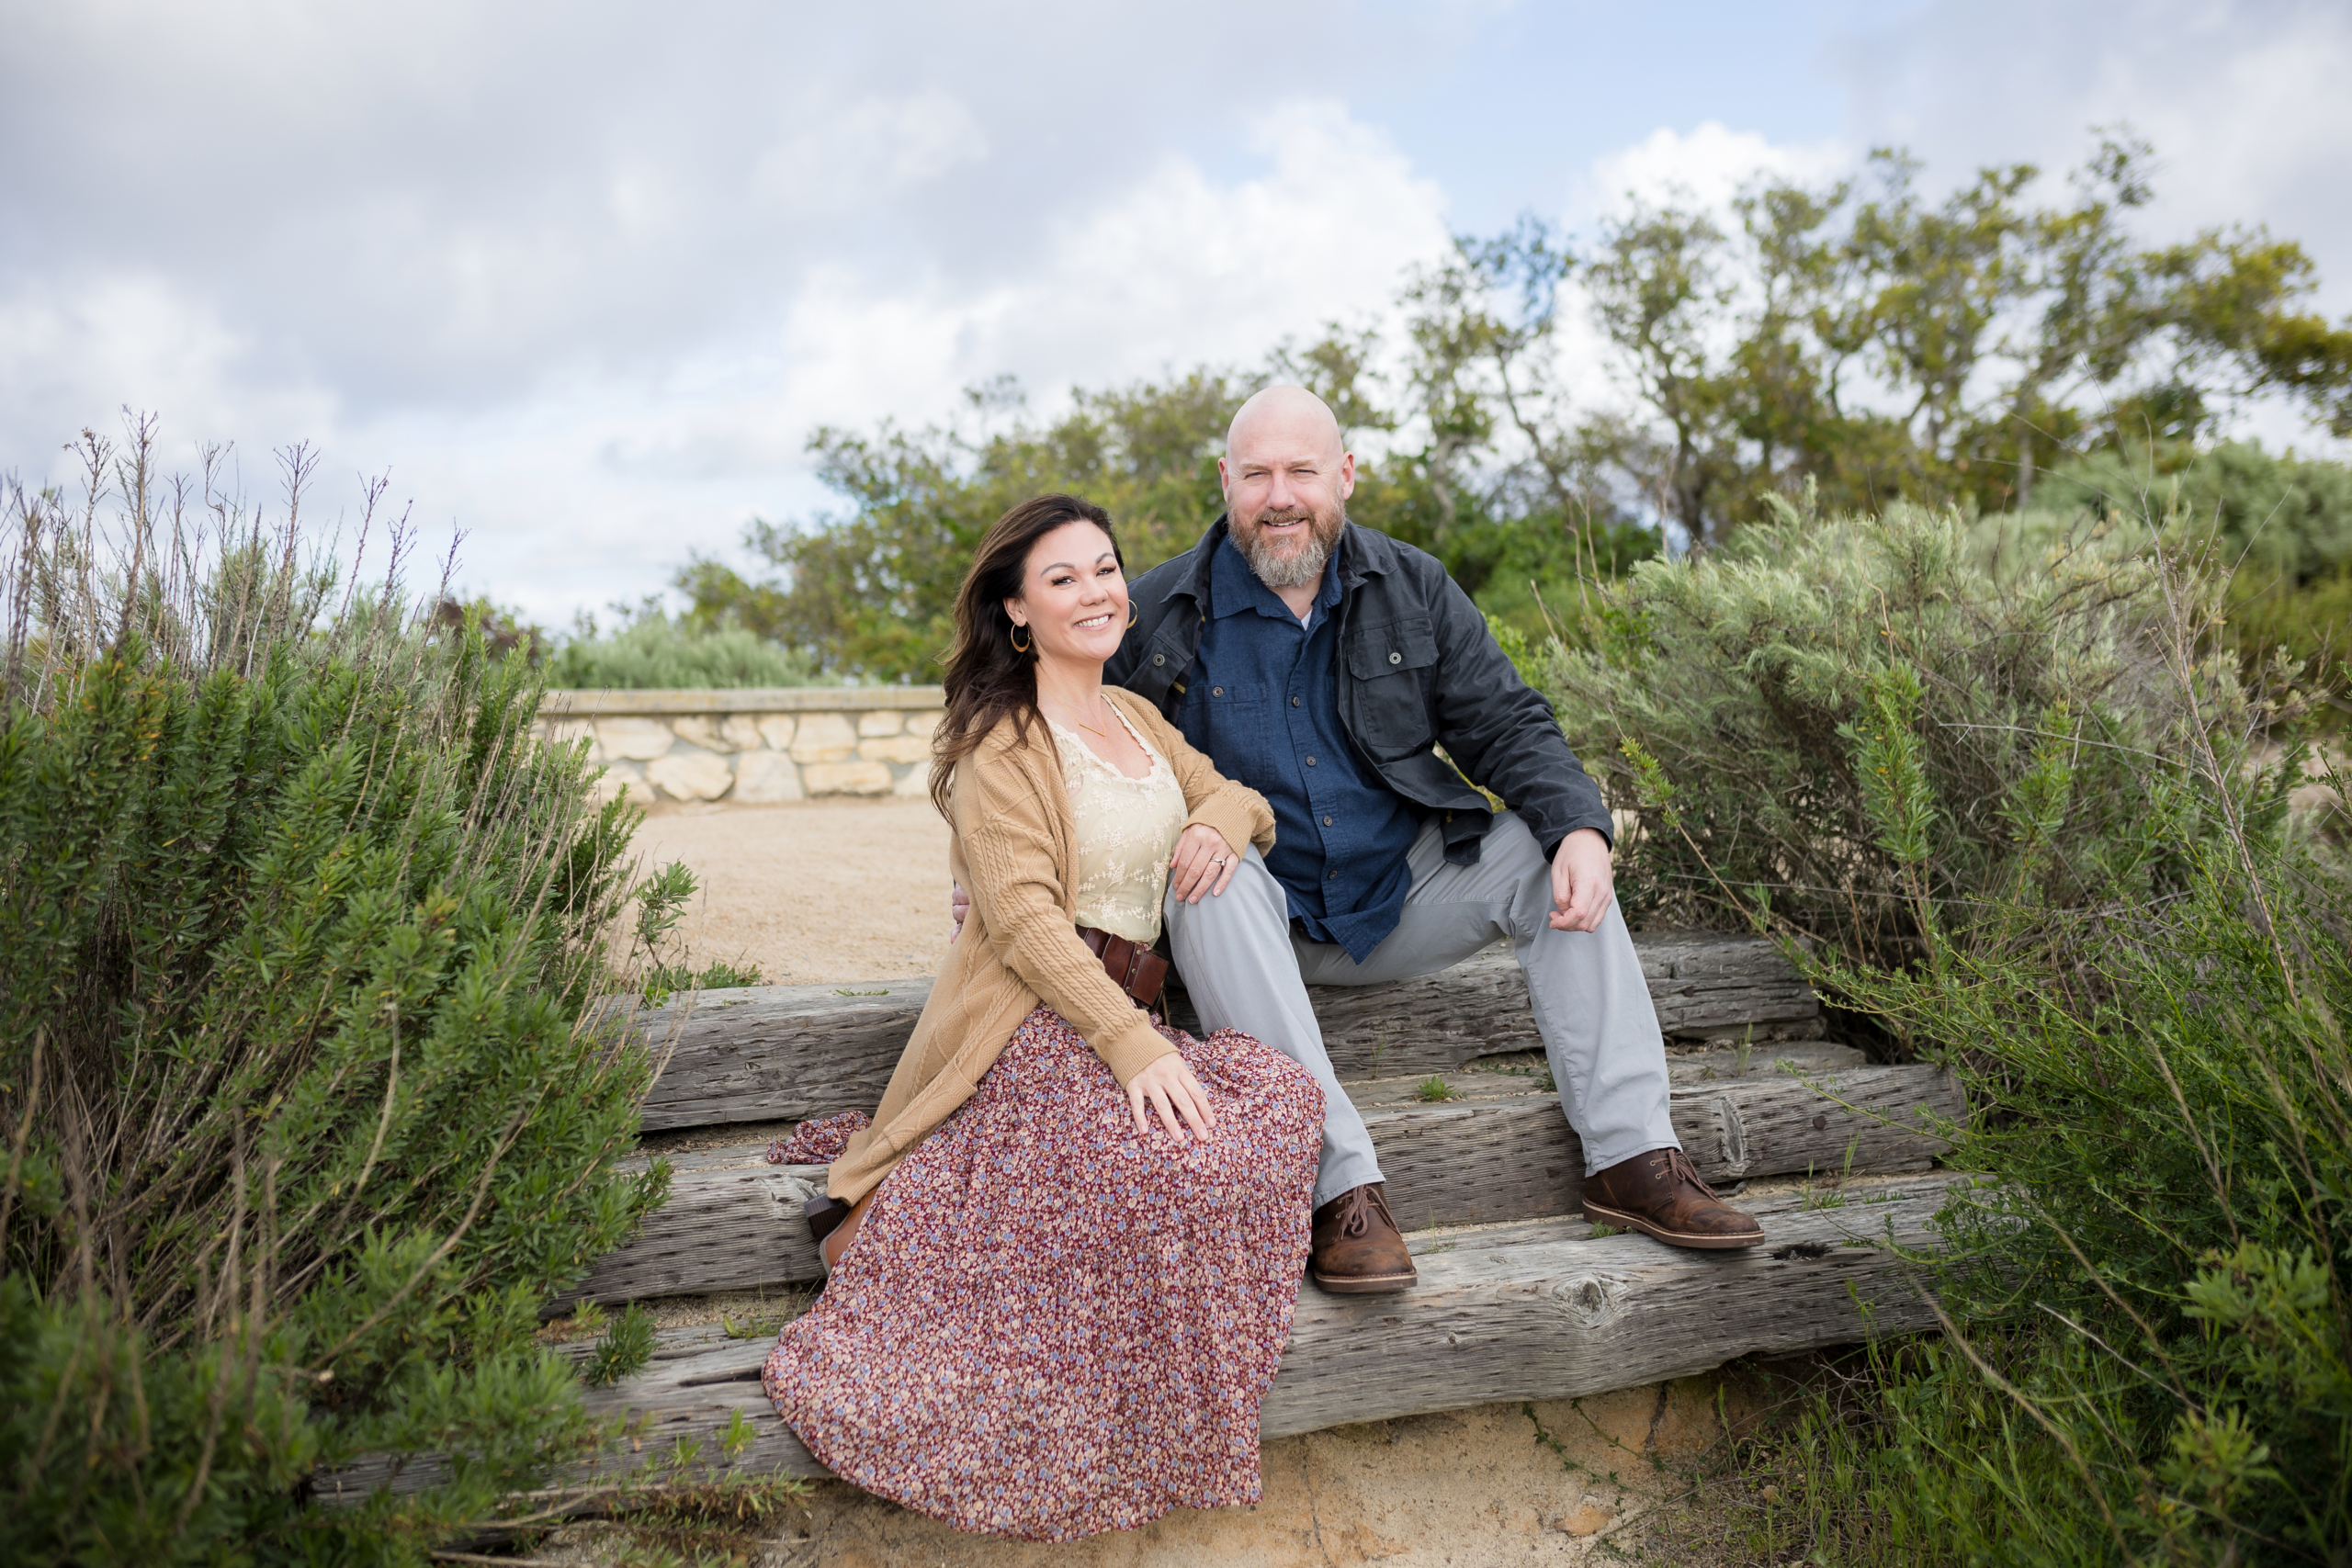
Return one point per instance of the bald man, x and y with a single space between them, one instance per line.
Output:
1323 664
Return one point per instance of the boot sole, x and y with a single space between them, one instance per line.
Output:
1697 1243
1363 1284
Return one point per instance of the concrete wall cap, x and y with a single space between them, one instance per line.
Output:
744 699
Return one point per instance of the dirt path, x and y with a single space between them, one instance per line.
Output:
815 893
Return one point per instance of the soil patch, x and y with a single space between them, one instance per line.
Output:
817 891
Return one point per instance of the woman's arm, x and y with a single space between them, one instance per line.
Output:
1010 852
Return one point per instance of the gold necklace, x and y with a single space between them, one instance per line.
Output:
1090 730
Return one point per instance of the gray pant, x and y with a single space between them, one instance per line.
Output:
1245 970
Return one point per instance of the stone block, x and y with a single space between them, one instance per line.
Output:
616 776
720 732
641 739
922 724
914 784
824 737
776 728
874 725
762 778
897 749
847 778
691 775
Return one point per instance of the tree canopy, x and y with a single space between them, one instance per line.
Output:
1858 340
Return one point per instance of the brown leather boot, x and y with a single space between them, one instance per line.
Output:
1356 1248
1659 1194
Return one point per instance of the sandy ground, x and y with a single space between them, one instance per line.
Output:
832 891
815 893
1637 1476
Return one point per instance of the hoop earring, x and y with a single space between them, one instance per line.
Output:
1131 611
1012 636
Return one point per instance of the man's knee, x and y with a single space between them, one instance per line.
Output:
1252 903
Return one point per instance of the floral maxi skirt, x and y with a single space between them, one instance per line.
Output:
1047 1326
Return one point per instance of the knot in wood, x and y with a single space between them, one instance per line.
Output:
1588 1300
1731 1133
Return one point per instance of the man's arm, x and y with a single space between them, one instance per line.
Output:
1502 734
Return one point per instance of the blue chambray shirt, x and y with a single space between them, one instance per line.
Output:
1261 700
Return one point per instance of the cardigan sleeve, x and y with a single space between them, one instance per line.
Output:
1002 823
1239 813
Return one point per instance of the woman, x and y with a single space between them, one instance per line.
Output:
1068 1273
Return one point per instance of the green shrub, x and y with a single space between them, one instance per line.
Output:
306 1105
2309 623
1737 705
654 651
2278 515
2153 1289
2133 950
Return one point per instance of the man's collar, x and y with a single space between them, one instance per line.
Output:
1363 552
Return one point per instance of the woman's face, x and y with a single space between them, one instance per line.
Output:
1073 597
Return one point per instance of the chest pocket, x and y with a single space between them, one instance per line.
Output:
1229 722
1391 667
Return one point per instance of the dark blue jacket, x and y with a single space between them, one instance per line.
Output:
1418 670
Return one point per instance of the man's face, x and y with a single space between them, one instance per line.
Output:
1286 485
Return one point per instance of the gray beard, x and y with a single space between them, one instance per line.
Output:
1297 570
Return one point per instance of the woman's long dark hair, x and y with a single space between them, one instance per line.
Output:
987 678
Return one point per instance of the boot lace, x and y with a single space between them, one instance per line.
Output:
1356 1218
1678 1164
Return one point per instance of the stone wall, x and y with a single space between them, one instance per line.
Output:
756 745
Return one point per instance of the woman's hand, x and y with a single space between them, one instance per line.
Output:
1202 864
1169 1086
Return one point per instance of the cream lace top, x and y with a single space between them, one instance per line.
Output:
1126 832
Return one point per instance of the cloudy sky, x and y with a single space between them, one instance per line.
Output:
582 277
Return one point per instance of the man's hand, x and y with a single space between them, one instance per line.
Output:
959 903
1582 884
1203 864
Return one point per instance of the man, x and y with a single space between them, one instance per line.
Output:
1323 664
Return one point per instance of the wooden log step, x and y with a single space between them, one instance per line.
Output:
734 1222
1525 1072
1539 1311
772 1052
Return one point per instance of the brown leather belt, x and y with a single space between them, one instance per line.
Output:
1140 971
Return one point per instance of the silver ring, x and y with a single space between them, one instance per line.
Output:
1218 860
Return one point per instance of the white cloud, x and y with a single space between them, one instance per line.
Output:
1702 168
598 490
878 146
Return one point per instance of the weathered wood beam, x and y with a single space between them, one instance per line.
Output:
1542 1311
1556 1318
771 1052
734 1222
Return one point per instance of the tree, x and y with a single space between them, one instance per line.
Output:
871 593
1874 345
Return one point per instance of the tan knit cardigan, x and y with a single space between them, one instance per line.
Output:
1014 849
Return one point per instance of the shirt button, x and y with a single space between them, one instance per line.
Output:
1395 659
1294 702
1160 659
1216 691
1327 821
1310 762
1333 877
